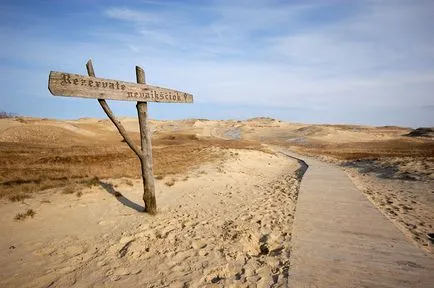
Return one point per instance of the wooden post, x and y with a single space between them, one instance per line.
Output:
145 154
74 85
146 161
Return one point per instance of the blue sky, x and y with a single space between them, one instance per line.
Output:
366 62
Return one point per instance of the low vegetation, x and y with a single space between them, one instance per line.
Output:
23 216
18 197
4 115
372 149
28 168
170 182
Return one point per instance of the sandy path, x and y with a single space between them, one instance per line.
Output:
223 225
341 240
408 204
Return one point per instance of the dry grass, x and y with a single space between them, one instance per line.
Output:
373 149
18 197
23 216
128 182
170 182
27 168
69 189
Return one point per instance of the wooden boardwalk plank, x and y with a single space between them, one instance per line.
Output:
341 240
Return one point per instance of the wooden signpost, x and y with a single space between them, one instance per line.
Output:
74 85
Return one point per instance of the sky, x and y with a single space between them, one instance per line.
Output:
356 62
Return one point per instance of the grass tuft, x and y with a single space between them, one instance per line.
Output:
170 182
91 182
23 216
69 190
18 197
128 182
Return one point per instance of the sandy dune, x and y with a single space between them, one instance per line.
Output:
226 204
228 224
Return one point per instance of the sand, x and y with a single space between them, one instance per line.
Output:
226 224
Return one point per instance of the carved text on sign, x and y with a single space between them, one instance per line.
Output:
66 79
74 85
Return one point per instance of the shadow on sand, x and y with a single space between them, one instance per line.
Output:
121 198
384 171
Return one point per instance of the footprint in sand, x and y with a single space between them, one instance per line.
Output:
45 251
73 250
106 222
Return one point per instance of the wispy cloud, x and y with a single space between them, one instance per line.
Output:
126 14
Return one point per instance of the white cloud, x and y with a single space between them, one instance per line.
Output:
126 14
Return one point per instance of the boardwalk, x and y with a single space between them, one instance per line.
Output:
341 240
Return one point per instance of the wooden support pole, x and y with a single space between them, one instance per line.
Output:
112 116
146 161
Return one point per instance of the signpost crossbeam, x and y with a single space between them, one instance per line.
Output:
75 85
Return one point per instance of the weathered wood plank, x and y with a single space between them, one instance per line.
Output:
146 161
74 85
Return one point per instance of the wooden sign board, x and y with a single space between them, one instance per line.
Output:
74 85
